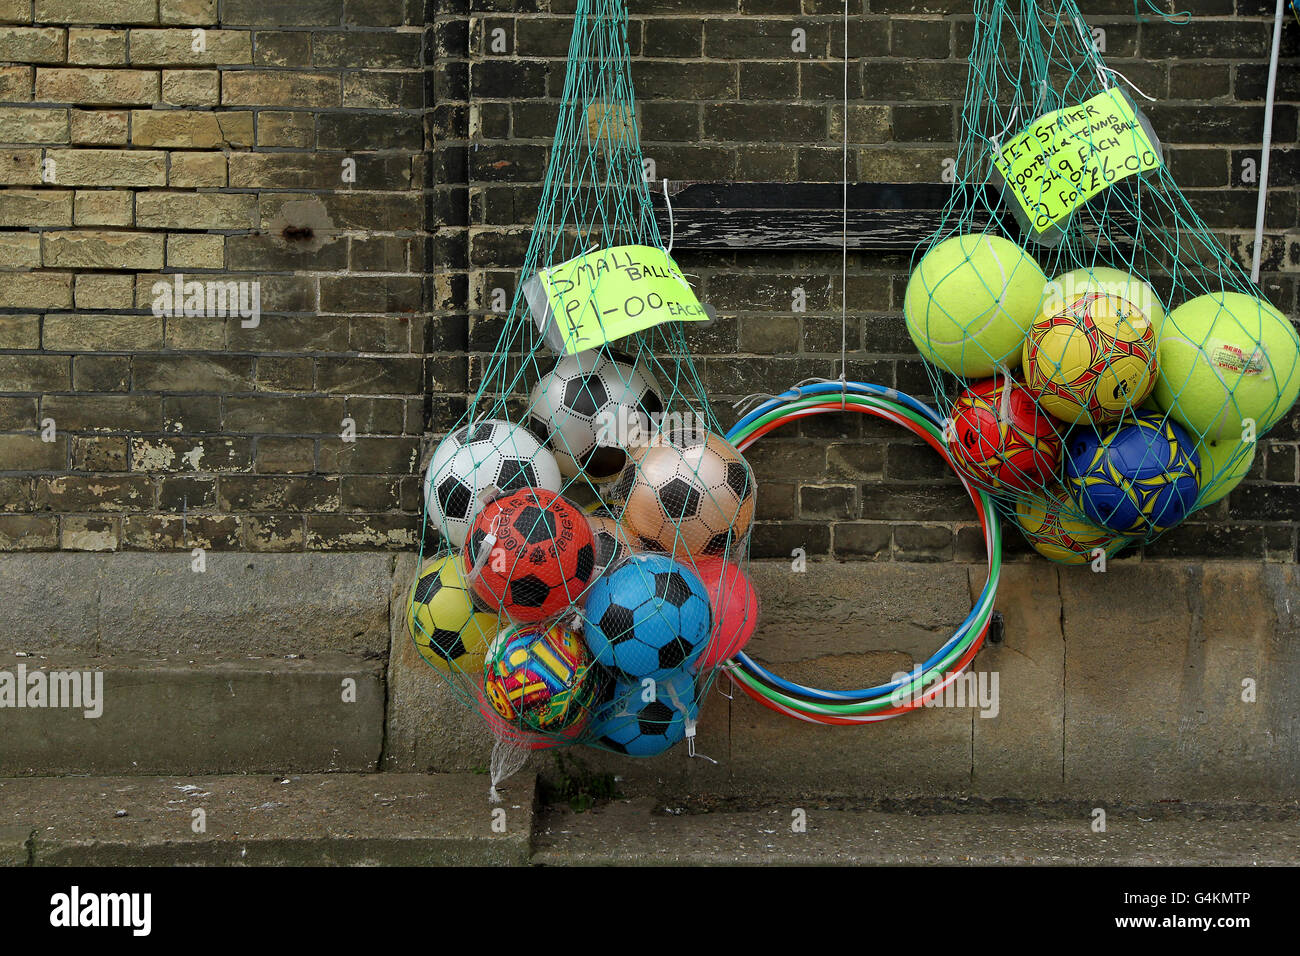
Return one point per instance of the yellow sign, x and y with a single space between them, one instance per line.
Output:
607 294
1068 156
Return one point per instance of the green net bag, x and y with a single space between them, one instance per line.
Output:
584 561
1104 365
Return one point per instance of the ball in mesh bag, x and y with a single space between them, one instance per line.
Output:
1001 439
688 491
590 407
449 631
1092 360
1058 533
643 721
530 554
1225 359
647 618
491 454
1137 477
969 302
611 540
540 678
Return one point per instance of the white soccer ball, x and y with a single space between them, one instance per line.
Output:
476 459
590 406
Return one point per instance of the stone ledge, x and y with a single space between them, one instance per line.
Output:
312 820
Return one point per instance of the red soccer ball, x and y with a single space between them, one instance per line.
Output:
542 559
1000 438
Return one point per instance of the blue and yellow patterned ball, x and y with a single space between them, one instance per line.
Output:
1138 477
540 678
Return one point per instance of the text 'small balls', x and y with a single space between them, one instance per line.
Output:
1056 530
970 301
1137 477
1225 359
492 454
1091 360
1001 439
689 491
648 617
540 678
590 406
543 557
643 721
448 629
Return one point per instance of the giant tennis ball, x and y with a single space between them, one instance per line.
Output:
1225 358
970 301
1223 465
1069 287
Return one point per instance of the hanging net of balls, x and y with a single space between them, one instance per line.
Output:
1105 366
584 563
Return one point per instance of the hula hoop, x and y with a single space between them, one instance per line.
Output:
926 682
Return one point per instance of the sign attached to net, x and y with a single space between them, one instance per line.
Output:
1068 156
607 294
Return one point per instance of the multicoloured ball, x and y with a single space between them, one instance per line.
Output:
449 631
540 678
1001 438
1091 360
643 721
647 617
1137 477
535 554
1057 532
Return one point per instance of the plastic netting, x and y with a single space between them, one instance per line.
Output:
584 562
1105 366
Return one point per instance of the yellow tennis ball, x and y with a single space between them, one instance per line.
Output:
1227 361
1223 465
1070 287
448 629
969 302
1060 533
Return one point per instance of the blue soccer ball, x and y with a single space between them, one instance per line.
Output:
647 617
1136 477
632 725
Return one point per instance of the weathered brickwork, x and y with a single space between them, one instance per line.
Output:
274 142
129 153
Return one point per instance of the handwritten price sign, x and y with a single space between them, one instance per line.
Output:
608 294
1067 157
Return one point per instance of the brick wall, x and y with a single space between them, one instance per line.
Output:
149 137
227 163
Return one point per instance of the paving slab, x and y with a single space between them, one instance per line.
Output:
317 819
639 833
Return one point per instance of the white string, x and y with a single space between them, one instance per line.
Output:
1113 72
672 224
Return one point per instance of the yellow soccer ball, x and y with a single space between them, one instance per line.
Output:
1060 533
449 630
1091 360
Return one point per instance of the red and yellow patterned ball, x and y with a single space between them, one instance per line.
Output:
1001 439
